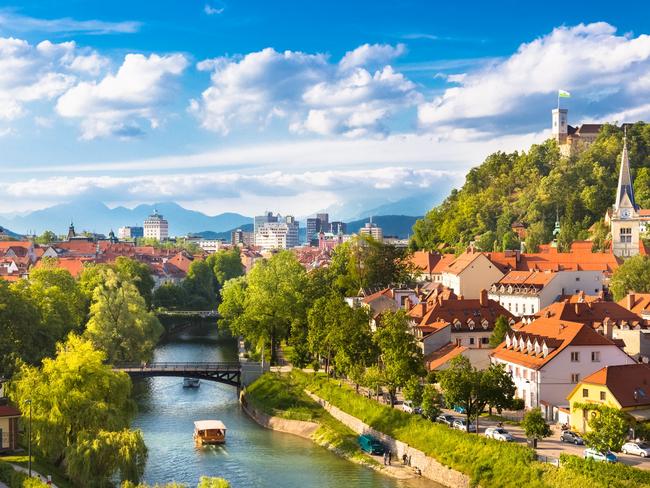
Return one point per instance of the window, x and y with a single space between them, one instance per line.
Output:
603 396
516 307
626 234
575 357
585 393
595 356
575 378
516 372
485 340
523 308
471 341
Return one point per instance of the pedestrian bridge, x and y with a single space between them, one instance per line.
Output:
233 373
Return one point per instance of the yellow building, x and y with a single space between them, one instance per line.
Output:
625 387
8 427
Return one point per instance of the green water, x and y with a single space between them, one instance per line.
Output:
252 456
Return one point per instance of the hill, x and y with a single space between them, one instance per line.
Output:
225 235
532 188
96 217
7 234
392 225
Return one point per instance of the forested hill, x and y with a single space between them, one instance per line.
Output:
530 188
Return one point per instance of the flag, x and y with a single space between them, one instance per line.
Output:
563 94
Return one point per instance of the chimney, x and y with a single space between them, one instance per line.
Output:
483 300
407 304
577 308
607 328
630 300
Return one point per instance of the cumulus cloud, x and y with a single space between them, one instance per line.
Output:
310 92
118 103
591 61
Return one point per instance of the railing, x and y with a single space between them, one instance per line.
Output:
176 366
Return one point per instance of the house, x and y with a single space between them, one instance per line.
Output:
386 300
527 292
638 303
470 273
623 387
550 355
9 417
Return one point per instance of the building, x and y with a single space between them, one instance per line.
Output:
243 238
314 227
470 273
278 235
210 245
527 292
260 220
548 357
129 233
156 227
9 417
627 221
338 227
623 387
372 230
571 139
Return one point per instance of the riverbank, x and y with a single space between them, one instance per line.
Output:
276 402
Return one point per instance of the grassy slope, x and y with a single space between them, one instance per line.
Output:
40 466
489 463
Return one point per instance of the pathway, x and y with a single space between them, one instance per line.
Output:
34 474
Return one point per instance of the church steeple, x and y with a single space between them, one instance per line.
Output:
625 190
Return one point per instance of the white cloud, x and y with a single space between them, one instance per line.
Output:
210 10
13 22
116 104
311 93
589 60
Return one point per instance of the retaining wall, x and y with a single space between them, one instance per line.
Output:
288 426
430 468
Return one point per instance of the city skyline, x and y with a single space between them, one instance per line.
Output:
244 106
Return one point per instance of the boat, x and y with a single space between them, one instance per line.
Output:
209 432
191 382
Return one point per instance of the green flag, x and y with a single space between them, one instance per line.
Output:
563 94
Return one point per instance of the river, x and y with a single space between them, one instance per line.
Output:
253 457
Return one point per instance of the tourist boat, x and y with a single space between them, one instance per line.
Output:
191 382
209 432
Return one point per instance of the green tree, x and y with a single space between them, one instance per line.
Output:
138 273
642 187
510 241
170 296
413 390
535 236
201 286
119 322
401 358
632 275
226 264
431 402
46 237
21 336
609 428
486 241
206 482
534 425
72 395
501 328
473 389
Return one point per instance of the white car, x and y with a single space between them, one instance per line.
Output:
461 424
407 406
498 434
637 448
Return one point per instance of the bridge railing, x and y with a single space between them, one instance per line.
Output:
180 366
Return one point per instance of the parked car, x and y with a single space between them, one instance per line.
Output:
572 437
459 409
371 445
608 456
445 419
498 434
461 424
407 406
637 448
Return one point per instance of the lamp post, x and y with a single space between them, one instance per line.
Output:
29 445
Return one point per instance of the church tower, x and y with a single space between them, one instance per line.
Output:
560 125
625 222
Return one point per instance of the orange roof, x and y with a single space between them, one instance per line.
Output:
629 383
443 355
638 303
441 265
459 264
7 244
181 261
463 310
425 261
74 265
557 334
579 259
534 278
592 313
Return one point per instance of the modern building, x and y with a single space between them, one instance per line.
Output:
338 227
210 245
372 230
242 238
128 233
156 227
278 235
313 228
260 220
627 221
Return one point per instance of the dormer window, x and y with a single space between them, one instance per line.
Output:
522 344
511 322
470 324
529 346
485 323
545 349
508 341
457 323
538 348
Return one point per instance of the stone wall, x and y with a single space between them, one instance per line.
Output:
429 467
288 426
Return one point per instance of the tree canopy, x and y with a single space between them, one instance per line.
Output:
631 276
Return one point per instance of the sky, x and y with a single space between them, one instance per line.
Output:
296 106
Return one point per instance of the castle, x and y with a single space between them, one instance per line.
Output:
572 139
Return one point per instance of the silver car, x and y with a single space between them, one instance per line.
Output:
498 434
461 424
637 448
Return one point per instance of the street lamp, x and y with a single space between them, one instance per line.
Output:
29 445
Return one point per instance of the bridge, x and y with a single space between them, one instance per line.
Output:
235 373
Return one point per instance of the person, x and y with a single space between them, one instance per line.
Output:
404 459
390 457
385 454
409 459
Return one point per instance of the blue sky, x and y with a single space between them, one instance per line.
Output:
295 106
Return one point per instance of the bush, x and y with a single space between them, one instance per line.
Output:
518 404
17 479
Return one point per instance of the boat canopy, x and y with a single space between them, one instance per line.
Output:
209 425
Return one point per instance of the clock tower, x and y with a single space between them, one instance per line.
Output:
624 220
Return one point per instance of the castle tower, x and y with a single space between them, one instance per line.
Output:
560 126
71 231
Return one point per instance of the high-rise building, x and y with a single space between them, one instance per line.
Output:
313 227
127 232
241 238
156 227
259 220
338 227
278 235
372 230
324 221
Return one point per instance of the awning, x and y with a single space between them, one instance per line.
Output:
209 425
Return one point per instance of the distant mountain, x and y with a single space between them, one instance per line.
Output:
96 217
391 225
7 233
224 236
417 205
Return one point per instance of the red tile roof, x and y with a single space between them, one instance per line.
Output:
425 261
443 355
629 383
591 313
9 411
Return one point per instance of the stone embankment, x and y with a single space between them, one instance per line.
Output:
429 467
288 426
